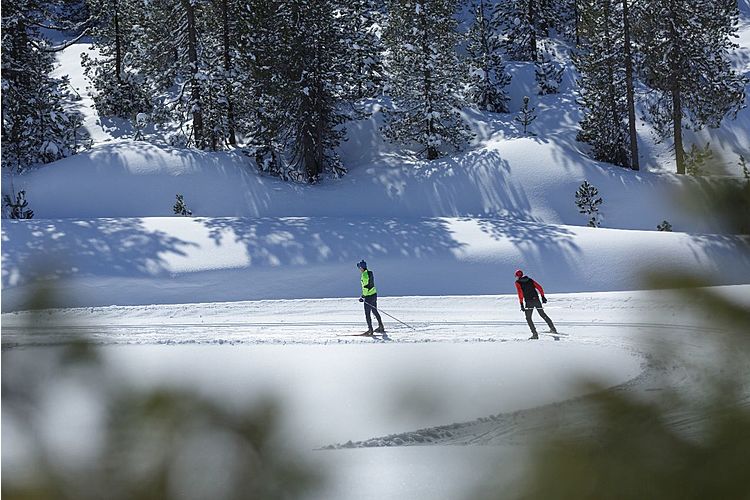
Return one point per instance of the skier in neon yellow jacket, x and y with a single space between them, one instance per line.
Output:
370 298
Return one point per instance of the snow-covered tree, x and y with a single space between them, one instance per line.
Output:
684 49
316 97
525 22
363 65
37 126
600 60
425 74
17 208
520 22
266 35
297 56
664 226
118 88
588 202
487 75
180 207
548 73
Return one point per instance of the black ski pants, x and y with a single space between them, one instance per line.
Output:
371 307
536 304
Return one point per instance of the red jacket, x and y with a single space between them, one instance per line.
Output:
527 289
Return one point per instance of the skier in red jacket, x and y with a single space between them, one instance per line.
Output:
527 290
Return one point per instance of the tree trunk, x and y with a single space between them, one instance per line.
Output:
432 152
675 74
118 43
195 92
227 68
629 90
612 91
679 151
532 34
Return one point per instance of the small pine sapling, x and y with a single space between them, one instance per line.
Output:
17 209
664 226
588 202
697 159
526 115
180 208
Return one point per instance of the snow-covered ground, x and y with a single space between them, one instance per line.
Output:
254 294
465 374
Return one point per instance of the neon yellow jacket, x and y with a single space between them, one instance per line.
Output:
368 283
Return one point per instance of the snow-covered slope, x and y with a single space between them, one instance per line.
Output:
525 178
177 260
452 226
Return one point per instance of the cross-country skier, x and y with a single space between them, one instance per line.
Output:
527 289
370 298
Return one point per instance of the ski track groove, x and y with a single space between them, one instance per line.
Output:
504 428
205 333
572 415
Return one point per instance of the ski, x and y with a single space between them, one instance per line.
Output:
555 335
359 335
376 336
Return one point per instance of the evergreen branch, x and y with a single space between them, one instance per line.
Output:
65 45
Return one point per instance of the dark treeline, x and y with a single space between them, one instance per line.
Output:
279 78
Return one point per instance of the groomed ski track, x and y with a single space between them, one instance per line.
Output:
635 323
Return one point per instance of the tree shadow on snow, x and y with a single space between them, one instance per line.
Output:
121 247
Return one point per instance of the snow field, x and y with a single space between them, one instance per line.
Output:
180 260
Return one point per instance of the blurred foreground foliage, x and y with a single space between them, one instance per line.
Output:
115 441
682 445
670 446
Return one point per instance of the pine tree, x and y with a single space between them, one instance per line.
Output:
684 47
548 73
37 125
588 202
697 159
119 89
180 208
526 115
265 35
297 57
220 82
17 208
520 22
316 98
487 75
363 64
425 74
664 226
525 22
600 61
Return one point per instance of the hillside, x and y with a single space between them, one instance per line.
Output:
105 216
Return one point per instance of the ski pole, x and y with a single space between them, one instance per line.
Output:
392 317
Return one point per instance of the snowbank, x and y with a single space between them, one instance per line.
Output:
180 260
528 179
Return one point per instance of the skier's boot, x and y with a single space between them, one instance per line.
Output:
380 329
534 336
368 333
553 330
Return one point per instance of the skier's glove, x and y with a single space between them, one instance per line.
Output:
523 308
544 300
361 299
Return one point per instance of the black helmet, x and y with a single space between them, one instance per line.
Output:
362 264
